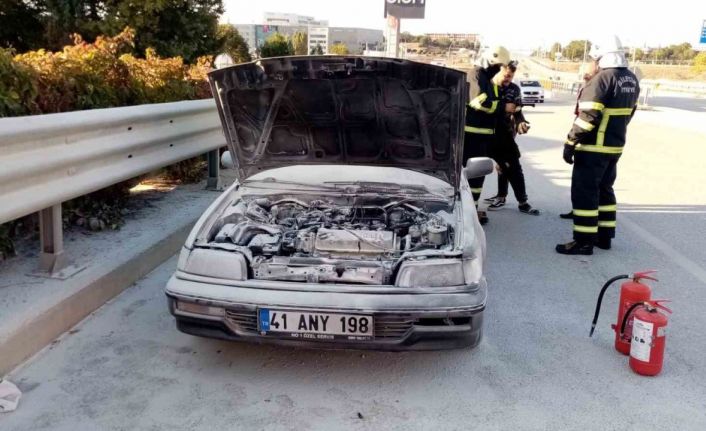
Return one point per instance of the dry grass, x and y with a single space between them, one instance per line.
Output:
649 71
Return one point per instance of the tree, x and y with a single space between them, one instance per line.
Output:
638 54
575 49
299 43
317 50
186 28
338 49
276 45
425 41
444 42
407 37
233 44
554 49
20 24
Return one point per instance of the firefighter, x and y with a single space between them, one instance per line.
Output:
482 113
587 72
594 146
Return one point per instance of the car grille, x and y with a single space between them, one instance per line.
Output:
387 326
242 320
531 92
391 326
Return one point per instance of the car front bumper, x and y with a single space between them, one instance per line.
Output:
405 319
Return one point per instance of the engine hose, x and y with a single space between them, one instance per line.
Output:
600 299
627 314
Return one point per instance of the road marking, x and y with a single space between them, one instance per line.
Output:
687 264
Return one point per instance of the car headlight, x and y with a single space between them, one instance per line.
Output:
439 272
213 263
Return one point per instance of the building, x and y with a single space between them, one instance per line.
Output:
318 36
454 37
356 39
256 34
291 19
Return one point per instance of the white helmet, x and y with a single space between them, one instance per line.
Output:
496 55
609 52
605 46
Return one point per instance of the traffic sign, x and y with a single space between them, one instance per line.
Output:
703 33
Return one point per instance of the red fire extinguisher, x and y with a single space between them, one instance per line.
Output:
648 336
631 292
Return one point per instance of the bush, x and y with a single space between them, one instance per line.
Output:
101 74
700 62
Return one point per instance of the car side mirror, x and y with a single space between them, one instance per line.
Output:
227 160
477 167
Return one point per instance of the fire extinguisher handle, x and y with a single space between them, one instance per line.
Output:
644 275
657 303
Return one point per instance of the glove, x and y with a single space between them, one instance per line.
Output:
569 153
523 128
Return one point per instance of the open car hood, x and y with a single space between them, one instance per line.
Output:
343 110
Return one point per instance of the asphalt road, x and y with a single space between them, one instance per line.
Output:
126 367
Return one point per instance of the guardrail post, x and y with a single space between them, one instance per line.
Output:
52 261
214 180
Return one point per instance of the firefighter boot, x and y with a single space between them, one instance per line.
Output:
574 247
603 242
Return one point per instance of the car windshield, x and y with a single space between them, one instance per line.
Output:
530 84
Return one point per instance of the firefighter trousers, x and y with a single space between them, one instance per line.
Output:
476 145
592 196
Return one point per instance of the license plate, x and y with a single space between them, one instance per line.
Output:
313 325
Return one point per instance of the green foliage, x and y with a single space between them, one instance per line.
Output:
317 50
299 41
276 45
338 49
17 86
20 24
233 44
62 19
679 52
186 28
575 50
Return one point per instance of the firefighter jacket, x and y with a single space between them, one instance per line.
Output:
485 106
606 106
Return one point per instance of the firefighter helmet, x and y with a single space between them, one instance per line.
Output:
607 45
497 55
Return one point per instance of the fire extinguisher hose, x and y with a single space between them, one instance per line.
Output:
627 316
600 299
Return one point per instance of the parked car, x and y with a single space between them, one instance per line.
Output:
532 92
352 223
439 62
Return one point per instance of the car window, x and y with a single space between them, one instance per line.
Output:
530 84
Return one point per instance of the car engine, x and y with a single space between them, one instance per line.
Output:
320 241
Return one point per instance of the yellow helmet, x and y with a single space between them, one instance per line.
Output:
497 55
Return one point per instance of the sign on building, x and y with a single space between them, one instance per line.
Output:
405 8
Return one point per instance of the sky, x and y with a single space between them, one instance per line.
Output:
519 25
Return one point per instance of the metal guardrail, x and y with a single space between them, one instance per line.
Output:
48 159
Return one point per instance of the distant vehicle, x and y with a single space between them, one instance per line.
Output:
532 92
438 62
